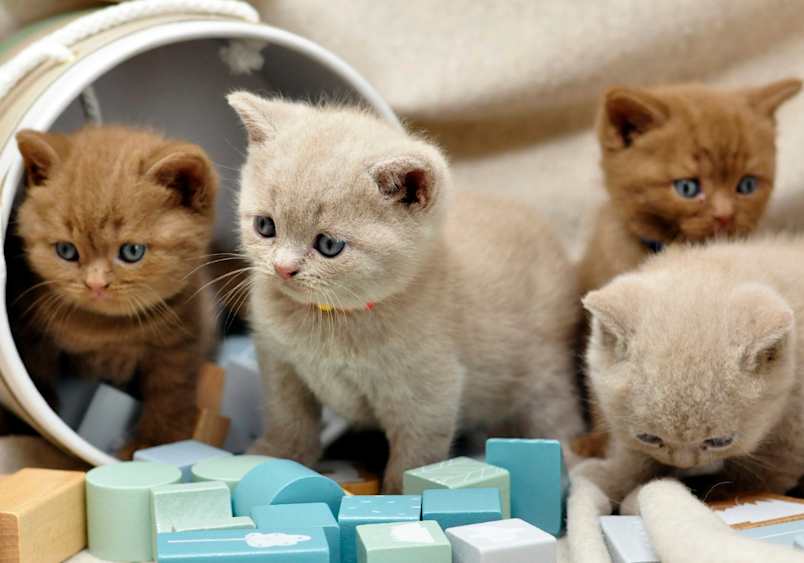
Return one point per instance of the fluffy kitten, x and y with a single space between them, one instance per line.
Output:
115 223
681 163
696 358
375 294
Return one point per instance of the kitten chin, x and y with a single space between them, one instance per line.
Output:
695 359
114 226
378 293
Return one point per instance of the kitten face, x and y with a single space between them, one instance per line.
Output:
335 224
686 372
689 162
114 219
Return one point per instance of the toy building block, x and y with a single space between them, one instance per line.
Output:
627 540
243 401
281 481
229 469
238 523
211 428
461 507
351 476
312 515
182 454
42 516
109 419
798 541
403 542
211 380
183 501
539 480
119 508
459 473
359 510
282 545
782 534
504 541
752 510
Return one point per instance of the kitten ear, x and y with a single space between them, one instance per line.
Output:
766 99
410 180
40 153
628 113
262 117
613 309
186 169
763 320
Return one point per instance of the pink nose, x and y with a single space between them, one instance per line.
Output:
97 285
723 220
286 272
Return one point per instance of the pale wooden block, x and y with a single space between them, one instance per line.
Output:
211 428
42 516
211 379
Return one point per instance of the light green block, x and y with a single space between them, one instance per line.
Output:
237 523
187 501
119 508
403 542
228 469
459 473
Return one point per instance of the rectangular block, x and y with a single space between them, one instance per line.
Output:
798 541
182 454
461 507
459 473
751 510
781 534
403 542
359 510
539 480
42 516
110 419
211 379
627 540
506 541
211 428
308 515
280 545
235 523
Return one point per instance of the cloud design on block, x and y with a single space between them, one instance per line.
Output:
271 540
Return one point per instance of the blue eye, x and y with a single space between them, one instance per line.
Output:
131 252
650 439
67 251
747 185
687 188
328 246
265 226
718 442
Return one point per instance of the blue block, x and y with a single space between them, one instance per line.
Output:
182 454
281 481
461 507
782 534
539 480
380 509
311 515
798 541
278 545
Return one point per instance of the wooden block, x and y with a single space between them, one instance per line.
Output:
300 545
752 510
310 515
402 542
627 540
351 476
511 541
42 516
211 428
211 379
461 507
183 454
360 510
229 469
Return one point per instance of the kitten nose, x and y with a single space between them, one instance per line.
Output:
97 285
286 272
723 220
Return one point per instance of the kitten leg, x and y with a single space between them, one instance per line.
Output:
620 474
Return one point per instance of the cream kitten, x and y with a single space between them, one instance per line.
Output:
375 294
695 358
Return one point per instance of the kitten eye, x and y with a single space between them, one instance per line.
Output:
721 442
747 185
687 188
328 246
650 439
265 226
67 251
131 252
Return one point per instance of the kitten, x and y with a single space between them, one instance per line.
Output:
402 306
696 358
115 223
681 163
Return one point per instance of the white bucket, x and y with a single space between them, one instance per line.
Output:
163 71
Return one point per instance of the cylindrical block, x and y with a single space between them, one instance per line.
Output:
228 469
119 508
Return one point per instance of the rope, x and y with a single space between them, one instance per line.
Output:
56 46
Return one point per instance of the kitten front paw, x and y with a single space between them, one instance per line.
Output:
392 484
306 456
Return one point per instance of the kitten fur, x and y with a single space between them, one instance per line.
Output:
475 297
99 316
649 138
702 343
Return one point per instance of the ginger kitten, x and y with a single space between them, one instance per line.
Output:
379 292
681 163
115 223
697 357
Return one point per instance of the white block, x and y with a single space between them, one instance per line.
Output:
628 540
502 541
110 419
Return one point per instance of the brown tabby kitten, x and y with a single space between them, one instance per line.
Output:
681 163
114 224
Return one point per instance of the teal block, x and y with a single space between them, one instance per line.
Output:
311 515
459 473
403 542
182 454
279 545
239 523
281 481
186 501
783 534
539 480
461 507
361 510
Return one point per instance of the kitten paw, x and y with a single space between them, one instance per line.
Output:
392 485
306 456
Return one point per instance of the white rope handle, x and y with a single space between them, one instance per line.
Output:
56 46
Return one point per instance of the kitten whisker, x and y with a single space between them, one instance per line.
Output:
33 287
219 278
